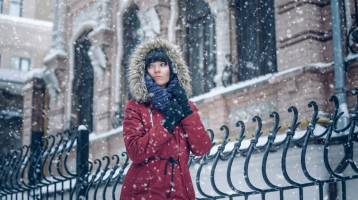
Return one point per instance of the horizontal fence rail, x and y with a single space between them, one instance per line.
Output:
47 172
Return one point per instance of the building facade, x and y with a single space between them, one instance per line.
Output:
246 58
25 36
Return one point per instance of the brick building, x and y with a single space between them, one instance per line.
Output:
279 53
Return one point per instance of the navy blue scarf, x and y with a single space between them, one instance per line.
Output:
160 97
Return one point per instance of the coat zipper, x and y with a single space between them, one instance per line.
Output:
151 116
177 138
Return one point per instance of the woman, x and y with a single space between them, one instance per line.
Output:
160 125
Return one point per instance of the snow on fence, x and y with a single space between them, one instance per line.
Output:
318 163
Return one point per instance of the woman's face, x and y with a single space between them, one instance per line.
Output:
160 72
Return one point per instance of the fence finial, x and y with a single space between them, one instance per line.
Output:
82 128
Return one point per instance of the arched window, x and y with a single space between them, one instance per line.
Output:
196 35
131 38
255 38
83 83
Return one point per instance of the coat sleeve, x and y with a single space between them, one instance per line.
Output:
140 143
197 137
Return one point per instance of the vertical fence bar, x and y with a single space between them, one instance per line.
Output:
82 156
339 62
344 196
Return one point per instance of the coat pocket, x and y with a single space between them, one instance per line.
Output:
139 180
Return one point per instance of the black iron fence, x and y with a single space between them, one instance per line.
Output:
60 169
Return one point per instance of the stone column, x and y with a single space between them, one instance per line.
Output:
58 33
172 20
56 62
220 9
38 106
57 56
38 123
103 49
104 17
57 53
34 111
103 35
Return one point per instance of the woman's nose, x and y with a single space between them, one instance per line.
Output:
156 68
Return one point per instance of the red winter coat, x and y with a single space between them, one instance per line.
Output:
160 157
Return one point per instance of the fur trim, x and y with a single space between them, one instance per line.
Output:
136 73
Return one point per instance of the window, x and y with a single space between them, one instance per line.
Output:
20 63
196 35
15 8
131 38
255 38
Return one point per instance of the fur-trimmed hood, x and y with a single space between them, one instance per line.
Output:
137 66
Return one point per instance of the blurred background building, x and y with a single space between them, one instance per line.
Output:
25 38
246 58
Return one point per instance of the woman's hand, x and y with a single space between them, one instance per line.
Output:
180 96
173 115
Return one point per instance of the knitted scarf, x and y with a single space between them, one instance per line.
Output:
160 97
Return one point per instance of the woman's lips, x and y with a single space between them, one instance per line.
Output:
156 77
